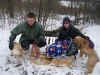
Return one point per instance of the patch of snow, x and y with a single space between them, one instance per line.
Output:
65 3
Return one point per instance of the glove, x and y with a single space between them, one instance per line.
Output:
91 44
11 45
41 44
87 38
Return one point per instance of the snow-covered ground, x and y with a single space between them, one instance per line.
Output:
92 32
65 3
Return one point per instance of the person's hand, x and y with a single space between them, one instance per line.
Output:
41 43
91 44
11 45
87 38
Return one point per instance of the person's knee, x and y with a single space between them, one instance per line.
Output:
41 43
25 45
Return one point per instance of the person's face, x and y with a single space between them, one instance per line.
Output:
30 21
66 24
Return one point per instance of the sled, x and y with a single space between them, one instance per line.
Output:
60 49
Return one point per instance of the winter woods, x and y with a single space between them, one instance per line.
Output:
13 12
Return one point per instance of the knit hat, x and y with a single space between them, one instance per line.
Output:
66 19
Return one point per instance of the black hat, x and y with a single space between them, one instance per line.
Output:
66 19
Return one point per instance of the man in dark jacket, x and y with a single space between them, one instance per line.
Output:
31 32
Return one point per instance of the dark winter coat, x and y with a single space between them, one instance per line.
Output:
35 32
70 32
